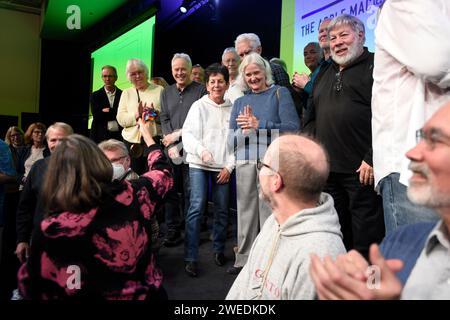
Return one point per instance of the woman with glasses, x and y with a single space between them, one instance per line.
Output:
143 98
35 149
257 118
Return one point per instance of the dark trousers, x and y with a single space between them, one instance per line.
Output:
173 203
360 211
139 164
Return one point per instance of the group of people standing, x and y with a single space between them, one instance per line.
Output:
302 201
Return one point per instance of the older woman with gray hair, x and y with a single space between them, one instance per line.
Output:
142 98
256 119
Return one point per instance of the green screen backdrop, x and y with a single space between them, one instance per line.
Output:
134 44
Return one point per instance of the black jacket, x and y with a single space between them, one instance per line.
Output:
99 101
30 206
342 103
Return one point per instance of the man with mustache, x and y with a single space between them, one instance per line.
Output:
417 253
411 81
341 98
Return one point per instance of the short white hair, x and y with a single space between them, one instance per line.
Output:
252 38
183 56
346 19
138 63
233 51
262 64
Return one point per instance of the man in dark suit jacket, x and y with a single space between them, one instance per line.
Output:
104 104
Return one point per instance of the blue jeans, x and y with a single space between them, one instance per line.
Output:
398 209
199 196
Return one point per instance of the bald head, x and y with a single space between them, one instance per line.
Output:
302 163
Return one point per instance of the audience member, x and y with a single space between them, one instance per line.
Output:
103 224
247 43
313 57
412 262
342 103
104 104
231 60
29 210
411 81
256 119
117 153
142 98
34 150
14 138
309 114
303 221
205 141
198 74
176 100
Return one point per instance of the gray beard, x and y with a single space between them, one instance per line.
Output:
352 54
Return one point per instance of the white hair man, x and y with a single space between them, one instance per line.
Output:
29 208
176 101
342 103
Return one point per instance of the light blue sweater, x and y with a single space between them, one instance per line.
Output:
275 110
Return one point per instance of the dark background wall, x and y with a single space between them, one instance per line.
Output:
205 34
66 67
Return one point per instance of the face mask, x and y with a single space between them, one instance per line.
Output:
118 171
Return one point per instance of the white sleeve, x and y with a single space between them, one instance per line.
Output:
416 33
192 131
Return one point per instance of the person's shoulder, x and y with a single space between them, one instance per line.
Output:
409 235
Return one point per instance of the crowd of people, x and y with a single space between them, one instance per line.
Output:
329 183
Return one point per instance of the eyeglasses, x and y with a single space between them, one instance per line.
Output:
136 73
260 165
432 137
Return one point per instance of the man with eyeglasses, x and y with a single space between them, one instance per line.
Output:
412 261
104 105
411 81
342 103
303 221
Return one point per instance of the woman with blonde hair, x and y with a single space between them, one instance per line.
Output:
95 239
35 149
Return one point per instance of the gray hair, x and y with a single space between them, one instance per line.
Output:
262 64
250 37
113 145
319 50
61 126
138 63
232 50
183 56
346 19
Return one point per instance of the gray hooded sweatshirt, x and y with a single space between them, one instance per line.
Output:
278 264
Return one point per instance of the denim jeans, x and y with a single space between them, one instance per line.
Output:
398 209
199 196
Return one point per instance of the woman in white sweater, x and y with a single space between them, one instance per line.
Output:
205 142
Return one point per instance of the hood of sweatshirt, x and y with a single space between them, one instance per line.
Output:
322 218
206 100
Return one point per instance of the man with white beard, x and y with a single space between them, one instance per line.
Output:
342 102
412 261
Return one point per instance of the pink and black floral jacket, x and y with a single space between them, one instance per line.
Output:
104 252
